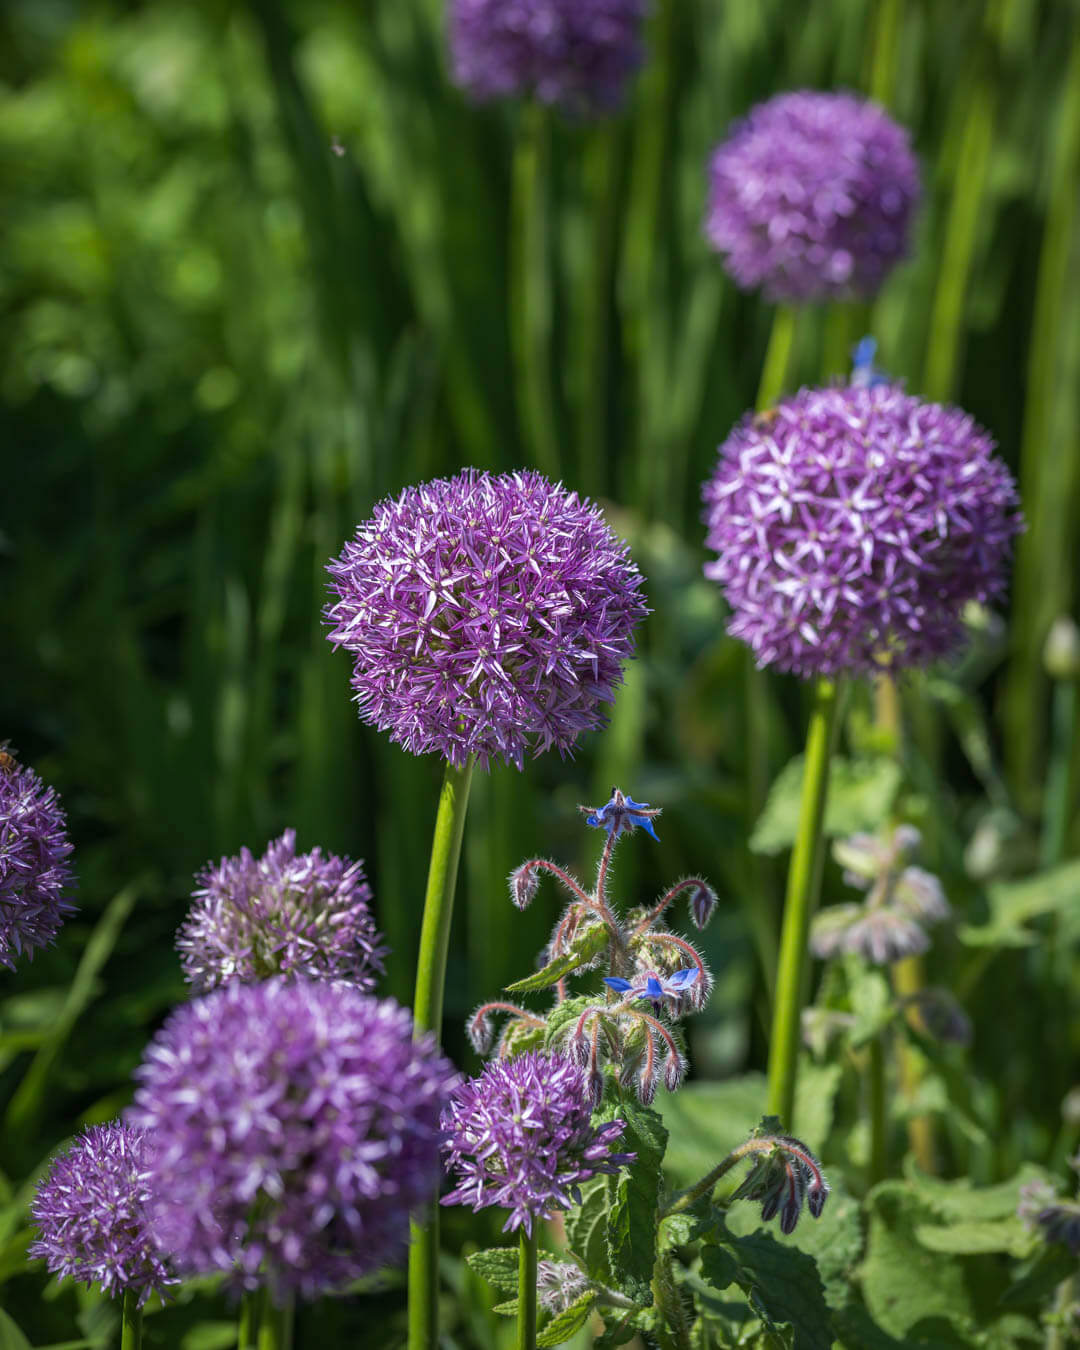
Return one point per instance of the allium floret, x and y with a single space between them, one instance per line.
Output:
488 615
296 1126
852 527
811 197
901 901
282 913
520 1137
92 1217
578 54
36 881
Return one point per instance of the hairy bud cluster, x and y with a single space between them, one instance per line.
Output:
784 1177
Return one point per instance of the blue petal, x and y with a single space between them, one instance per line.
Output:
620 986
682 977
653 988
646 824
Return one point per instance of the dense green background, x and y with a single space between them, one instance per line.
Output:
259 270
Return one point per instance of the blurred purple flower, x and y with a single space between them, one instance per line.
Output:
91 1214
296 1130
578 54
520 1136
852 527
281 914
489 615
35 879
811 197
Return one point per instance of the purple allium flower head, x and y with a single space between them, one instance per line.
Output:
811 196
488 615
296 1130
281 914
852 527
91 1213
35 879
578 54
520 1136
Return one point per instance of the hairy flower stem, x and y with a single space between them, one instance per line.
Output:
275 1329
530 289
427 1017
705 1186
674 1332
131 1333
526 1318
803 888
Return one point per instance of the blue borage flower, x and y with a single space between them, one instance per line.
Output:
656 987
621 814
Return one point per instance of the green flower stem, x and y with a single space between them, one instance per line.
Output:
427 1017
879 1111
131 1333
531 289
526 1318
804 885
705 1186
275 1328
250 1316
777 366
674 1330
1057 809
883 58
602 175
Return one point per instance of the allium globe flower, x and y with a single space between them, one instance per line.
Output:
577 54
296 1130
811 196
488 615
91 1213
281 914
35 878
852 527
520 1136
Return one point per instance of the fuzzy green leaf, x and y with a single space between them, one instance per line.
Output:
632 1221
1014 903
861 793
586 1229
976 1236
959 1201
589 943
498 1265
565 1324
782 1284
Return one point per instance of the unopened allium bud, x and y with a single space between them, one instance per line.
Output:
702 904
524 883
1061 654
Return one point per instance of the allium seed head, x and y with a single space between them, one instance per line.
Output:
520 1137
91 1214
852 529
578 54
488 615
283 914
296 1130
35 879
811 197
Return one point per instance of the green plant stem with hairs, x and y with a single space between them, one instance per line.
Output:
803 888
131 1321
530 289
526 1317
427 1017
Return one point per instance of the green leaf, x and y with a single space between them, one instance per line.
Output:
719 1268
1039 1277
706 1121
976 1236
782 1283
11 1338
902 1281
615 1333
498 1265
572 1319
561 1016
632 1220
520 1036
1014 903
586 1229
959 1200
871 1002
861 794
507 1309
589 943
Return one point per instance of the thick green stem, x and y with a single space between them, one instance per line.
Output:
879 1111
427 1017
777 365
531 290
131 1333
251 1308
526 1318
887 24
275 1327
804 884
602 171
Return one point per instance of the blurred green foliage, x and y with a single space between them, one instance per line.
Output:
260 268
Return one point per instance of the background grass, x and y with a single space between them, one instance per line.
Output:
264 265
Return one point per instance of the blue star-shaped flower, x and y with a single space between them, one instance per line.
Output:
864 373
622 814
655 987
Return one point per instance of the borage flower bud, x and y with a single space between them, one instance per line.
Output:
674 1071
559 1285
284 913
35 878
488 616
811 197
91 1211
520 1137
524 883
703 904
784 1176
480 1029
577 54
646 1084
853 528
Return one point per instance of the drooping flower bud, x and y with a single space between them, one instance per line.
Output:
524 883
703 903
